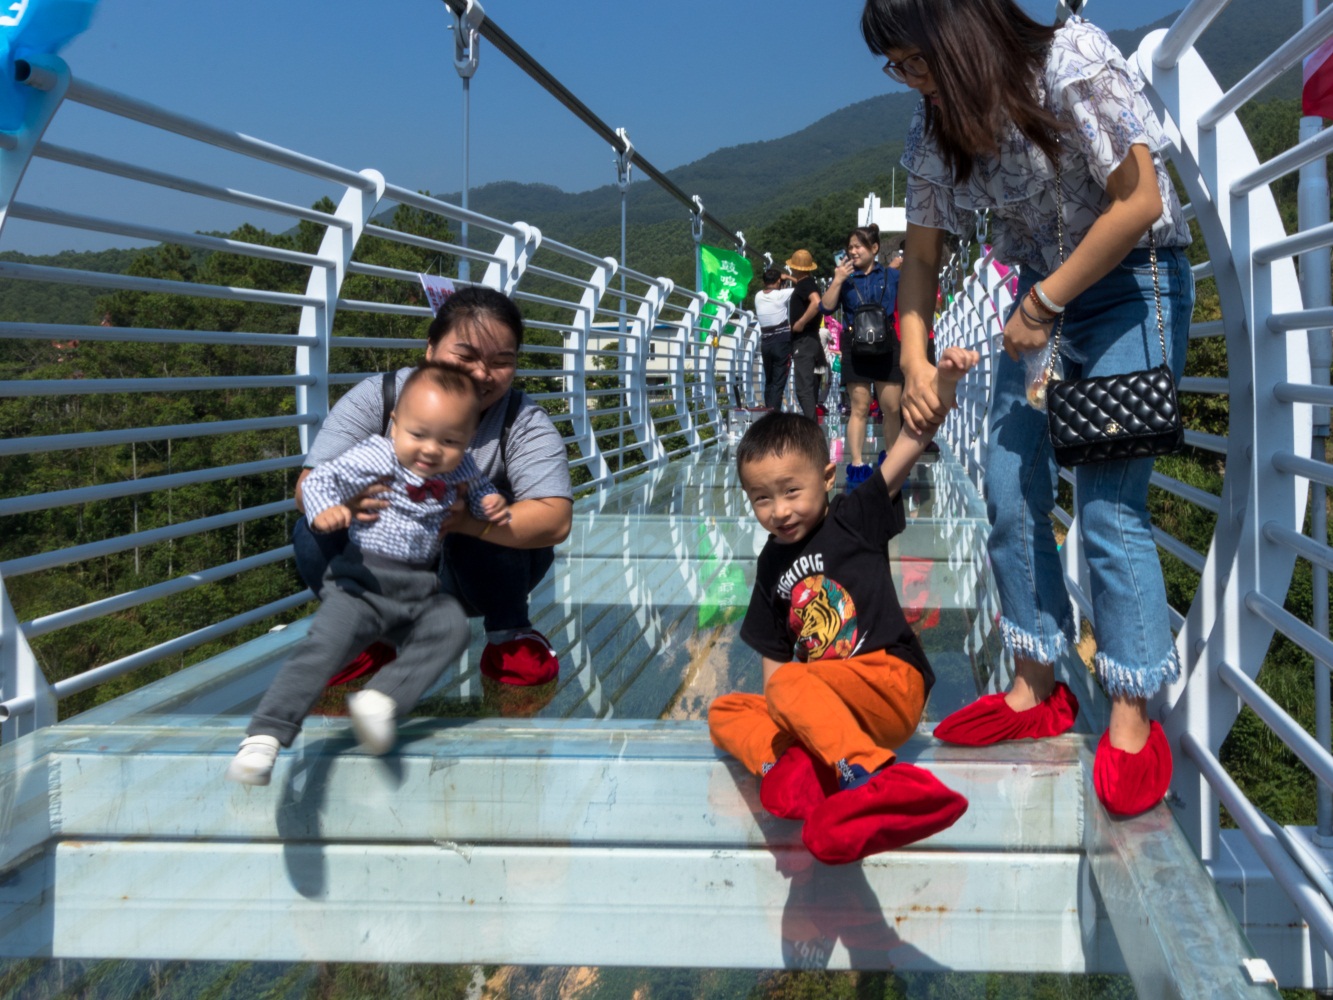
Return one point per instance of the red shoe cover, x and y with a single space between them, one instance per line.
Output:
366 662
899 805
796 784
1132 783
526 660
989 720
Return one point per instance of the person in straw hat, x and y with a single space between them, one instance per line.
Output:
806 350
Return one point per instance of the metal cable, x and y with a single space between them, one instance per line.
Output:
520 58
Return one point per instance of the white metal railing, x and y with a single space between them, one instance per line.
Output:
1269 486
635 378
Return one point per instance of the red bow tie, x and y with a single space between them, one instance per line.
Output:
430 488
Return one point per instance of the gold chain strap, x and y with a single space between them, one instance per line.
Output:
1060 242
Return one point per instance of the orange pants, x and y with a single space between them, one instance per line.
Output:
858 710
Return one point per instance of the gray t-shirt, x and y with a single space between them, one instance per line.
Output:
536 465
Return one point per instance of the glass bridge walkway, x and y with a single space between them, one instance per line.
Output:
592 823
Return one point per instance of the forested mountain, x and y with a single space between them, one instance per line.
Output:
751 184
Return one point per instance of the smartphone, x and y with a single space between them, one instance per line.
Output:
839 257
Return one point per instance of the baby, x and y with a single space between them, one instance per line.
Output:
845 679
386 581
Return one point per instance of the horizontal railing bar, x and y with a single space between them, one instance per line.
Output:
127 107
153 234
567 279
1302 467
1212 328
426 243
647 279
107 386
415 199
1208 386
1304 319
102 164
1290 246
1303 392
572 305
375 343
142 539
383 308
109 671
1185 553
130 487
379 271
582 256
1206 442
134 598
617 293
125 282
1202 270
605 310
1316 148
1185 30
1303 545
144 335
1287 729
134 435
1200 498
1313 907
1284 57
1308 638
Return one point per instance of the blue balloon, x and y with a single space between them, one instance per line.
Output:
31 28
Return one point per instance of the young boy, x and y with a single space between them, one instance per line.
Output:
386 580
845 680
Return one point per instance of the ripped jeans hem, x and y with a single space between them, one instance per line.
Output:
1120 681
1022 643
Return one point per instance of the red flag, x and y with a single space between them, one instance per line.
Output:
1317 86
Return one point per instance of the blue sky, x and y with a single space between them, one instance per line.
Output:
373 84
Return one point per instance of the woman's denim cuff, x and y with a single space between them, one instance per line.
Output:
1120 681
1025 644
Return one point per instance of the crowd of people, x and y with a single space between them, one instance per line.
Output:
437 493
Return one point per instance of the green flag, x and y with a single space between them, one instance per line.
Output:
726 275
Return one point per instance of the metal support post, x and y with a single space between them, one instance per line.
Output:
624 162
466 51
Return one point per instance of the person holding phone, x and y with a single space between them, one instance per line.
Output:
860 280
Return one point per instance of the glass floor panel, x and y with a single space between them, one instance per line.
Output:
515 833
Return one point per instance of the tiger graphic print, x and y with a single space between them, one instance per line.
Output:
823 619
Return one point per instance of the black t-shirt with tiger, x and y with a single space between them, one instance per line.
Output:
830 596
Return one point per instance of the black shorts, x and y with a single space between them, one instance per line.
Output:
881 368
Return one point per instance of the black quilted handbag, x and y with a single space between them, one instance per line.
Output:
1114 417
1111 417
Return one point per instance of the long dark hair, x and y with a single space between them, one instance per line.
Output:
985 57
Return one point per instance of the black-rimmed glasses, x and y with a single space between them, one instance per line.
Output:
914 66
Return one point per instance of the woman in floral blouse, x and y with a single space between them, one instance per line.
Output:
1002 97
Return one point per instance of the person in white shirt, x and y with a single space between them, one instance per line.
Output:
770 306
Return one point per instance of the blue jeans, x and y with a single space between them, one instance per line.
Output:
490 581
1111 328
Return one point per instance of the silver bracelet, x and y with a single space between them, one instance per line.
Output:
1051 306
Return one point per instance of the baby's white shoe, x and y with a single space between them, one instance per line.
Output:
374 720
253 763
